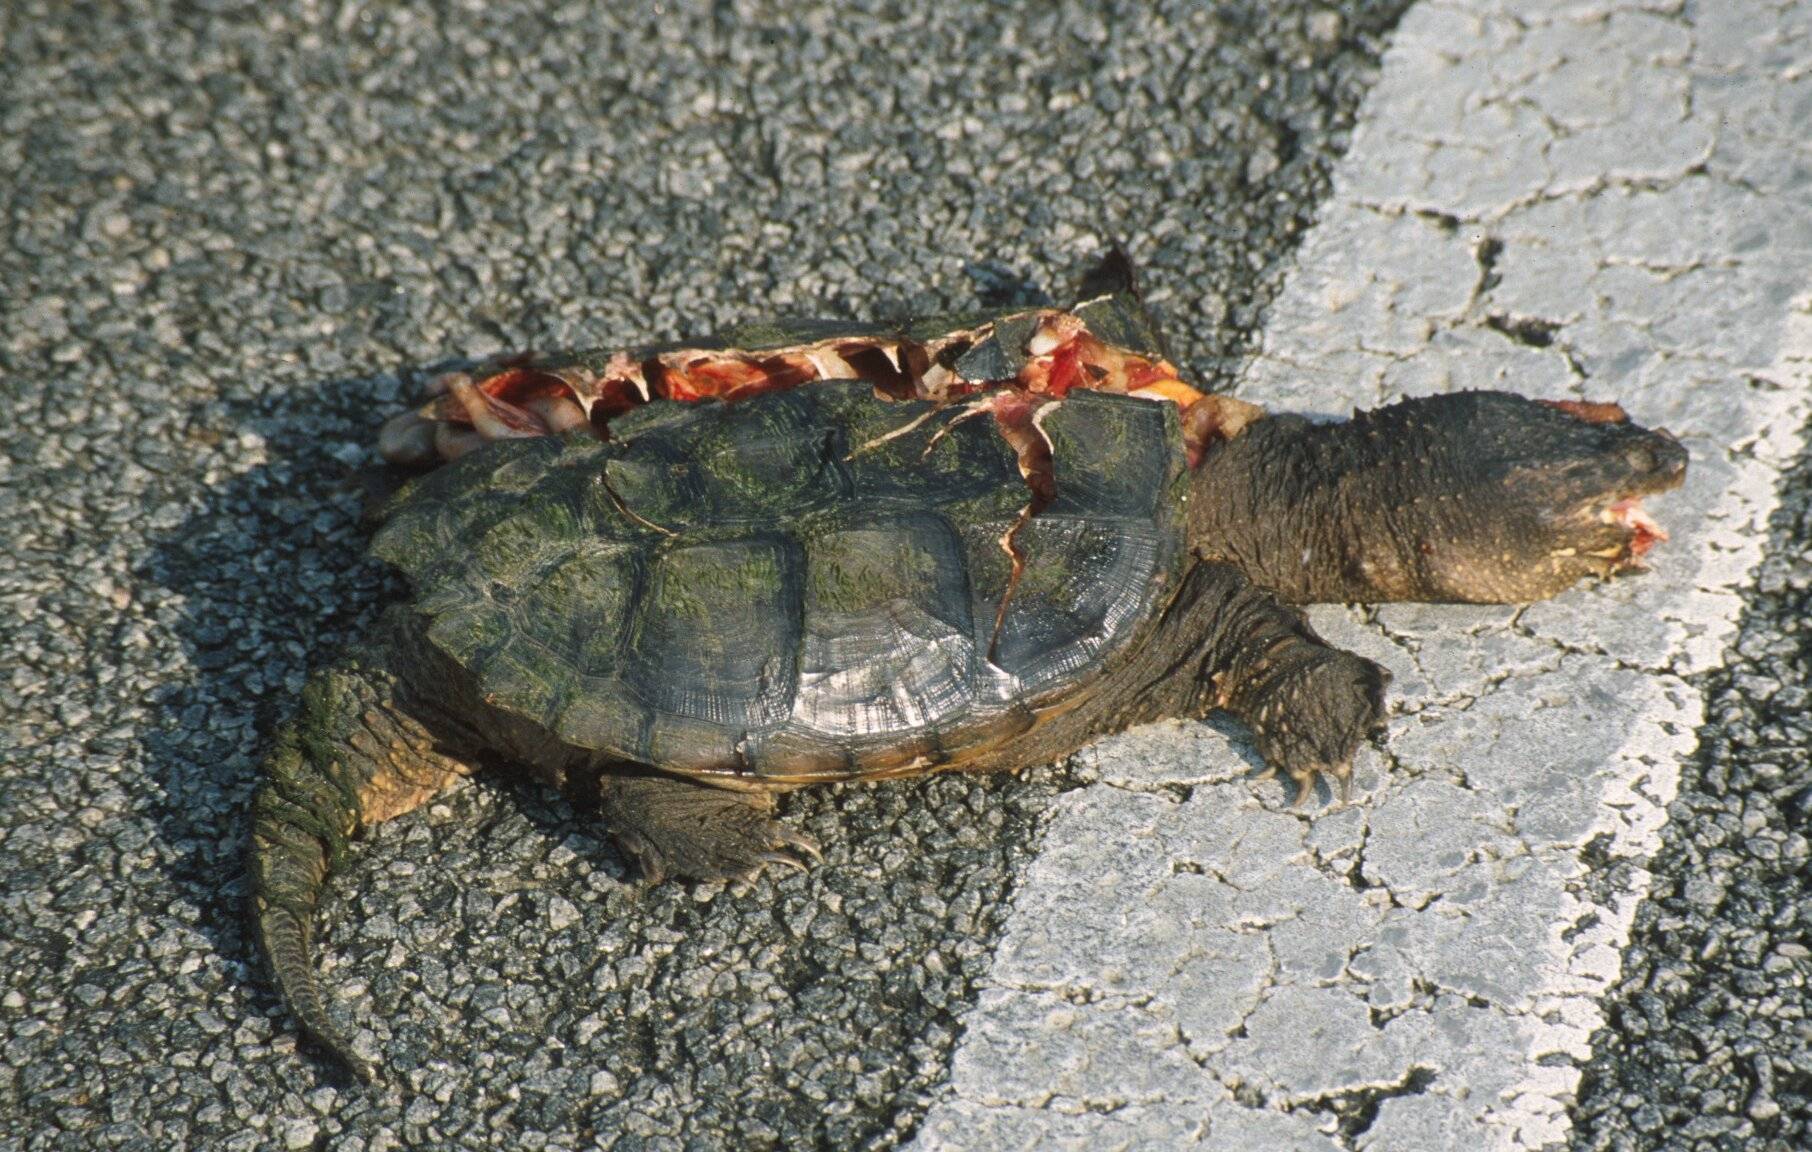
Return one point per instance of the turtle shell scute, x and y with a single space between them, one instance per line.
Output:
802 584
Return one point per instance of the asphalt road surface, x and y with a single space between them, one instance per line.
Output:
1567 906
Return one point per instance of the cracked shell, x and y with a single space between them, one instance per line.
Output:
807 584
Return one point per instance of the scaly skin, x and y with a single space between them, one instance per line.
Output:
1308 705
1479 497
353 757
1474 497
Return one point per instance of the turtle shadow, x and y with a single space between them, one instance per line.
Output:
262 576
999 286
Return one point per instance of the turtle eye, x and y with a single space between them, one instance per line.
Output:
1641 458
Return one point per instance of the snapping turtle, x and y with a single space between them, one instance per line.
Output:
678 582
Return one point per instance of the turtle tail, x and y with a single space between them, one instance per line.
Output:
355 756
301 821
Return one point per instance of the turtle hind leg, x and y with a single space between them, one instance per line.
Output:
675 827
352 757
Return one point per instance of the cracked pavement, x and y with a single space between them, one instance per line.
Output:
237 237
1592 200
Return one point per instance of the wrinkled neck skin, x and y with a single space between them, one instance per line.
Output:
1476 498
1272 501
1325 512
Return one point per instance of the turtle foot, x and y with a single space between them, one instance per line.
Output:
1315 719
673 827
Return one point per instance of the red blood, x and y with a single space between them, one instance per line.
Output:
1143 372
616 397
786 372
1013 411
678 386
1066 370
1644 532
520 385
731 377
492 416
1642 542
721 377
612 399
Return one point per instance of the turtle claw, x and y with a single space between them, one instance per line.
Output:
781 858
801 842
673 827
1340 783
792 849
1305 788
1311 724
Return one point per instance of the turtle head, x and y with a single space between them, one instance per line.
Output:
1596 470
1541 493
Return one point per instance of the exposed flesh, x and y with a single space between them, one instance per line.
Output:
1591 411
517 399
1644 532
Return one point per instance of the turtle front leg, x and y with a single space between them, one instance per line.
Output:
676 827
354 756
1309 705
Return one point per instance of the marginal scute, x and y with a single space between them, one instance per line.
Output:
431 524
524 677
887 645
1117 321
929 328
470 632
410 537
607 719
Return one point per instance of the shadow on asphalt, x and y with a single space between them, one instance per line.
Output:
268 578
874 953
272 579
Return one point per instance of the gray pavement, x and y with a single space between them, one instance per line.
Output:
236 235
236 238
1706 1042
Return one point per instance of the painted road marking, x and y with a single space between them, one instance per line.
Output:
1596 199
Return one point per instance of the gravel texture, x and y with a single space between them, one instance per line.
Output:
1709 1043
235 237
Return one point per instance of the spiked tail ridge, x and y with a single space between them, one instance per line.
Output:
300 824
355 756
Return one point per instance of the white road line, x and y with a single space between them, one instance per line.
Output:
1597 199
